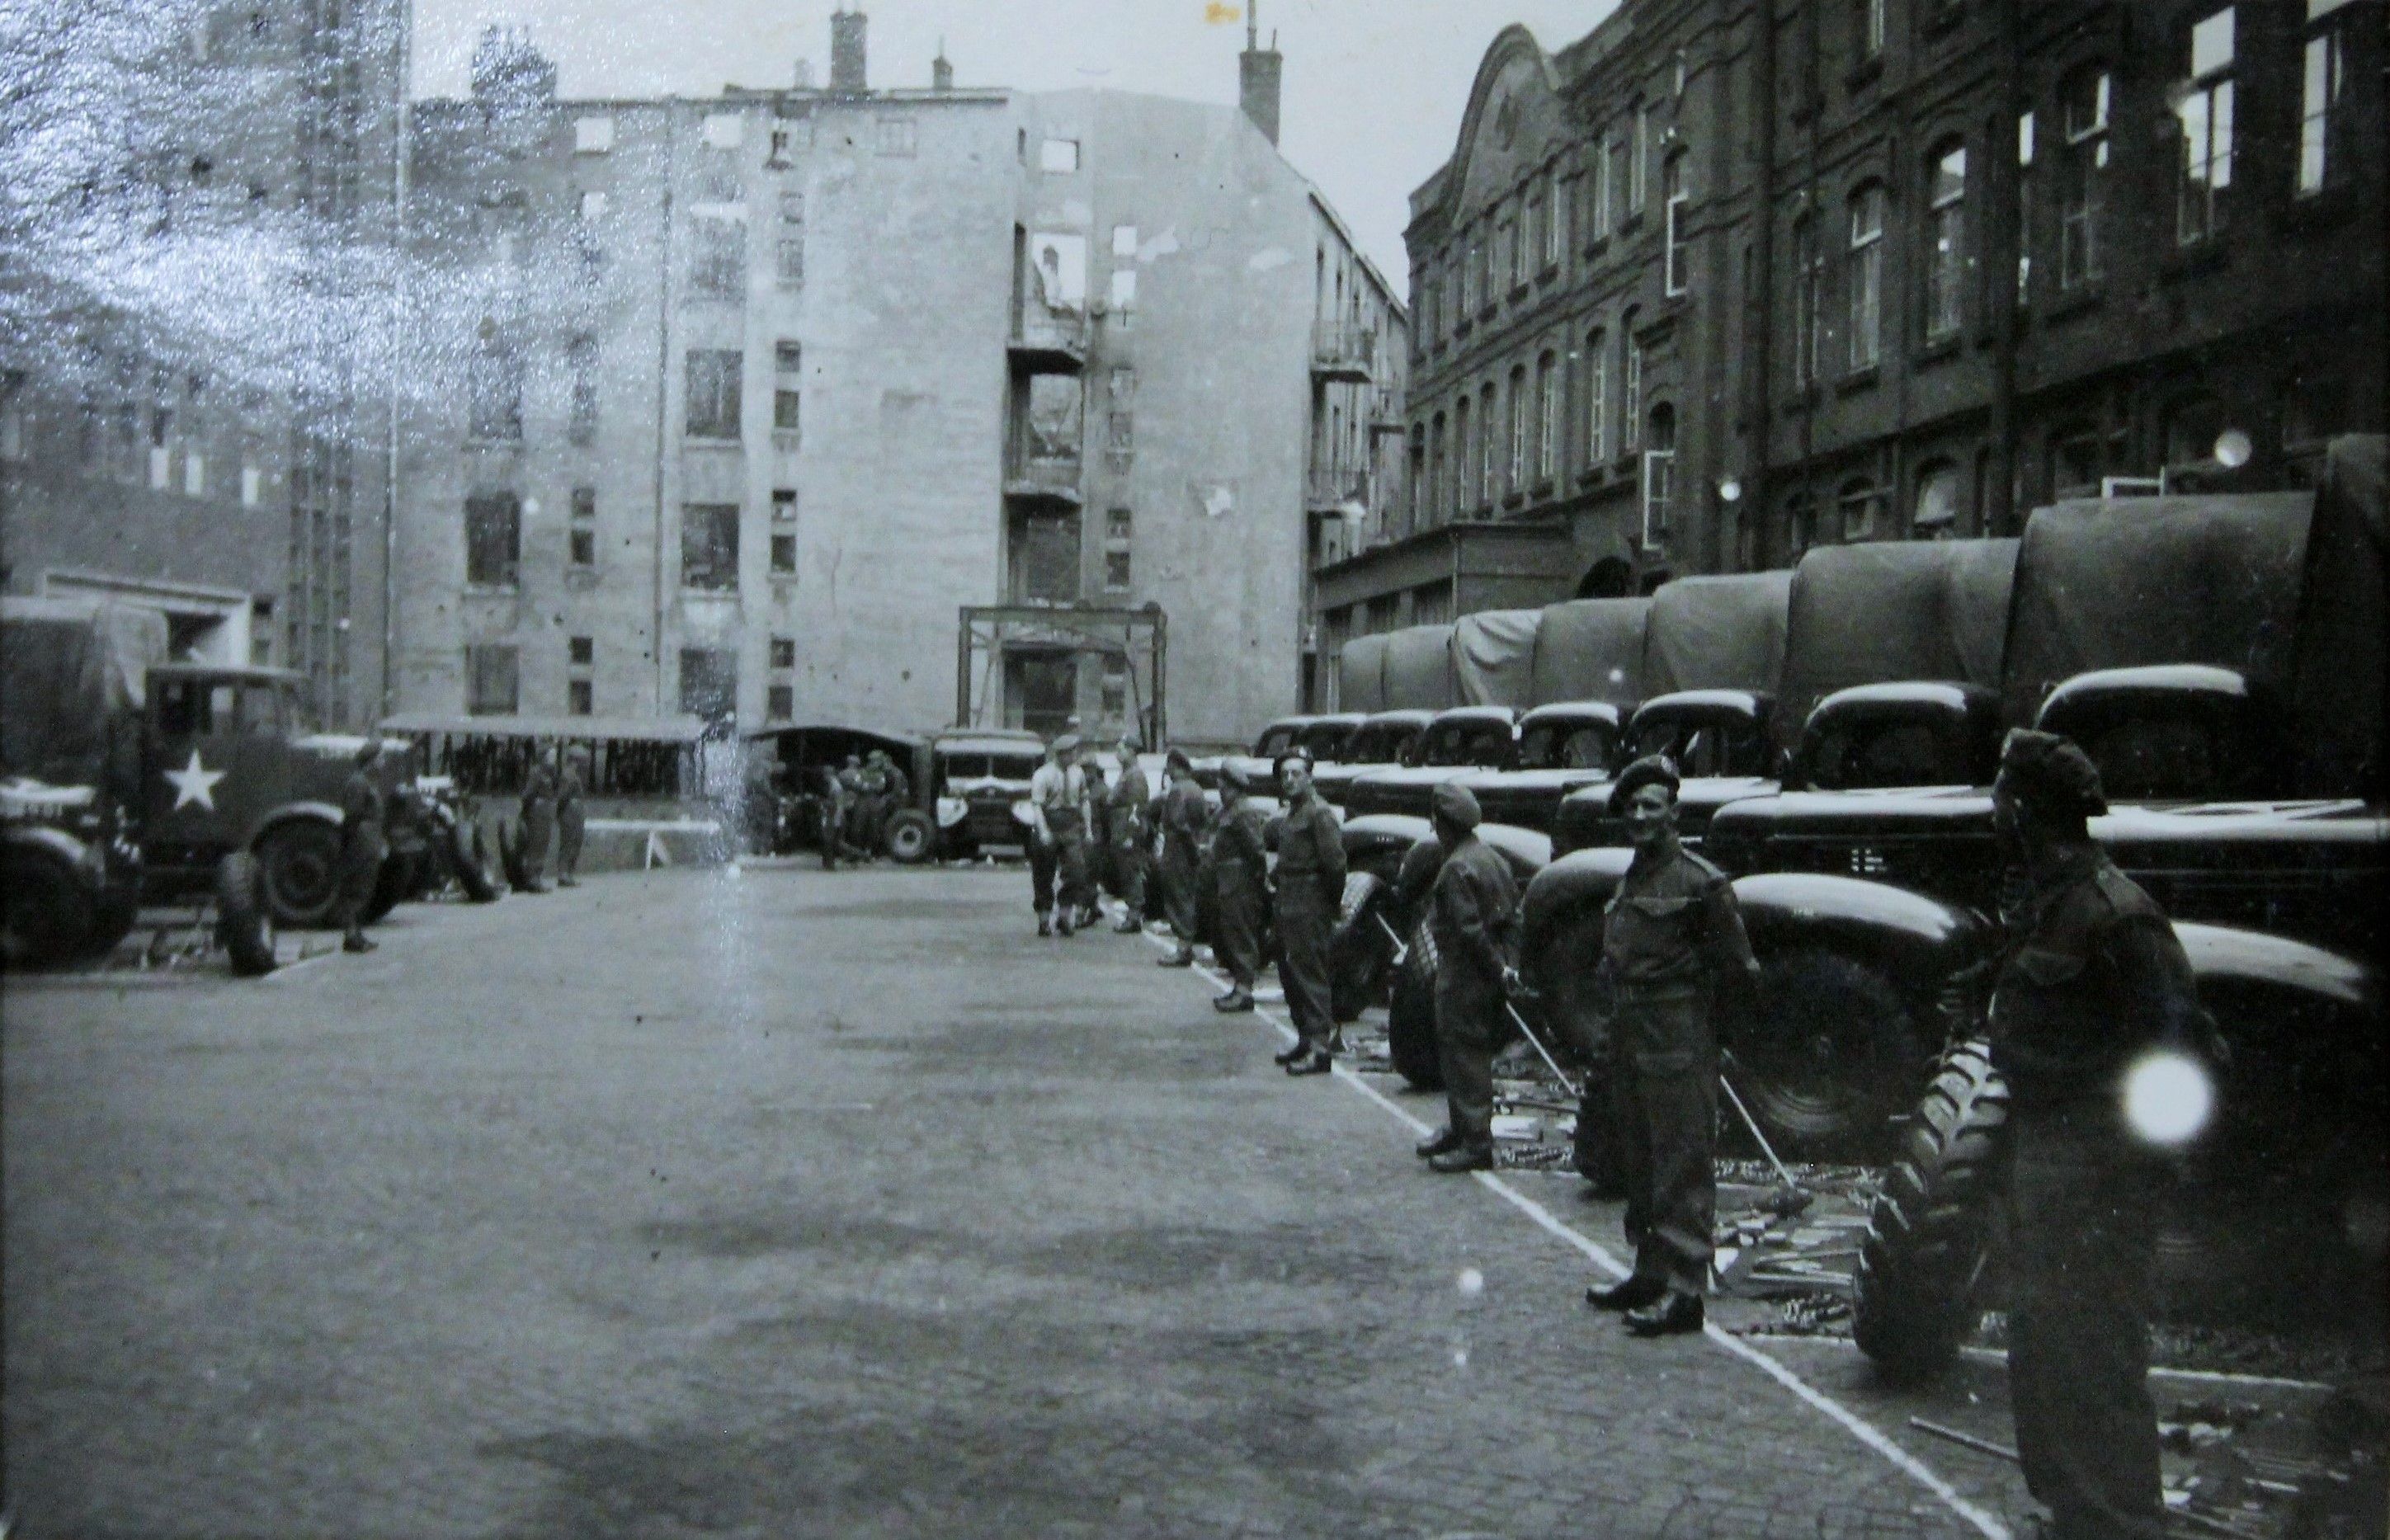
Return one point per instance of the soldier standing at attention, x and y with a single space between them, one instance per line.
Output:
363 846
1183 817
1672 933
571 817
1130 834
1057 849
1473 912
1310 889
1240 862
2095 985
538 824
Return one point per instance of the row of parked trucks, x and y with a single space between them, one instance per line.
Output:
2221 657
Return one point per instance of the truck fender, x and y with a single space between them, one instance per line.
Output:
83 859
324 812
1378 842
2304 1024
1917 942
1577 884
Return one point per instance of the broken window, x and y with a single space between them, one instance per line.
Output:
493 539
709 546
714 393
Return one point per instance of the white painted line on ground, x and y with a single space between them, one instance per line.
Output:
1851 1422
2000 1355
283 971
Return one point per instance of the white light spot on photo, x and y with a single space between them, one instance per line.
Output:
1472 1284
2168 1098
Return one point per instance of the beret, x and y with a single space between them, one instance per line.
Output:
1650 770
1298 753
1066 744
2049 772
1177 760
1453 804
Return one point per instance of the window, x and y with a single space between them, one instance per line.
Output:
788 375
1859 502
2082 176
1123 385
1866 277
709 682
1116 690
494 385
583 547
1868 21
581 354
1597 400
592 136
580 700
591 207
2077 459
491 679
1809 302
1673 198
581 651
784 652
1937 513
1800 522
1547 411
1124 242
1567 199
1630 386
717 256
1117 525
1605 185
1436 487
1120 434
2205 114
724 131
1059 155
1415 462
1464 473
1124 293
2324 125
493 539
1638 168
780 702
1659 474
784 531
1489 453
897 136
784 555
790 268
709 545
1946 255
714 393
2024 154
1516 480
1506 266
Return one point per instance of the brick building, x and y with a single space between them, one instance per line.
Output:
748 397
201 206
1721 280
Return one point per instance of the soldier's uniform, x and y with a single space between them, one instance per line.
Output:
1472 915
854 815
1129 835
873 804
539 825
572 821
2095 980
1672 925
1310 890
833 817
363 846
1059 861
1239 863
1184 816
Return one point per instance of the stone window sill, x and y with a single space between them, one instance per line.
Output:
1859 380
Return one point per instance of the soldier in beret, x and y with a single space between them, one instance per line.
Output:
1310 890
1472 912
2094 980
1672 933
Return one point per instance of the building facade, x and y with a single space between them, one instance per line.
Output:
197 322
1722 280
749 397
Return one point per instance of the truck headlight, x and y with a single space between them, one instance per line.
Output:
2168 1098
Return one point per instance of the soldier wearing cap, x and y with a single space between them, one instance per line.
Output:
538 824
1238 862
1472 915
1128 834
1058 848
572 816
1310 891
1182 819
2093 981
1671 935
363 846
855 788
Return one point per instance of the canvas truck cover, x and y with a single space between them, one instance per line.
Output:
1720 633
1494 656
2344 630
2208 579
1361 676
71 670
1418 669
1592 650
1898 609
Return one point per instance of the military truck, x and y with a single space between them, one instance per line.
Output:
1457 739
964 784
1322 737
1384 740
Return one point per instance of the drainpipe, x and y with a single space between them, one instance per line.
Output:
1997 516
664 380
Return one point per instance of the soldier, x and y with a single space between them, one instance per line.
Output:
1672 931
900 786
538 824
571 818
856 789
1130 835
1183 817
1239 872
833 816
1058 848
1310 890
363 846
1473 914
878 783
2094 983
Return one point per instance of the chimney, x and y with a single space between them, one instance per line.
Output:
942 70
846 54
1259 73
804 74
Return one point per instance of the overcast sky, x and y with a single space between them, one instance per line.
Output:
1374 88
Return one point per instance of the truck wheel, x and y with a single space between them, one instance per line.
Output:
511 850
1410 1019
392 884
1358 951
301 863
243 928
466 858
45 910
1565 971
909 837
1832 1056
1929 1233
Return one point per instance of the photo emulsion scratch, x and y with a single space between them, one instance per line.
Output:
1298 767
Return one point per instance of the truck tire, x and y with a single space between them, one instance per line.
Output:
1359 952
1833 1054
472 866
301 861
1564 972
909 837
243 928
1930 1231
45 910
1411 1020
392 882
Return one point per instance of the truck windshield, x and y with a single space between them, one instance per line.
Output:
1379 745
1884 752
1326 739
1274 740
1483 744
2156 759
203 708
1703 746
1564 745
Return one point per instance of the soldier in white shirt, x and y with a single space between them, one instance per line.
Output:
1058 844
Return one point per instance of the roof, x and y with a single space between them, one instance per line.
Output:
995 741
641 729
778 728
225 670
1570 710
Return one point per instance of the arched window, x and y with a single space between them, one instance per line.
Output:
1610 578
1597 400
1516 480
1674 198
1809 301
1489 455
1438 489
1861 502
1630 386
2083 99
1863 285
1464 468
1937 513
1548 413
1946 239
1659 474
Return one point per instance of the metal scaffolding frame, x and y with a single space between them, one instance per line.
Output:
989 632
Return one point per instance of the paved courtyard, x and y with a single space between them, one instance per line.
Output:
698 1203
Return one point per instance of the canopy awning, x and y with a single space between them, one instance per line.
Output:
584 730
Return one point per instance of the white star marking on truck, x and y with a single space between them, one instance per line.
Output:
195 783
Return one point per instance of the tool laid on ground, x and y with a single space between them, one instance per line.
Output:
1572 1087
1965 1440
1795 1198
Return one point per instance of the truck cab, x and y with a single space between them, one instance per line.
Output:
1459 739
1322 737
1719 741
1562 749
1384 740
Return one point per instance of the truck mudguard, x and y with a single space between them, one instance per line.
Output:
1377 842
1918 942
1578 881
326 812
83 859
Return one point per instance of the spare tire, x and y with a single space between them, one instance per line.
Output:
909 837
1832 1056
392 880
243 927
1410 1016
45 908
1358 951
466 859
1929 1233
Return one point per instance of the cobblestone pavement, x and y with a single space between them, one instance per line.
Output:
792 1203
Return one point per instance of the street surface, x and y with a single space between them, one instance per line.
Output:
781 1202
